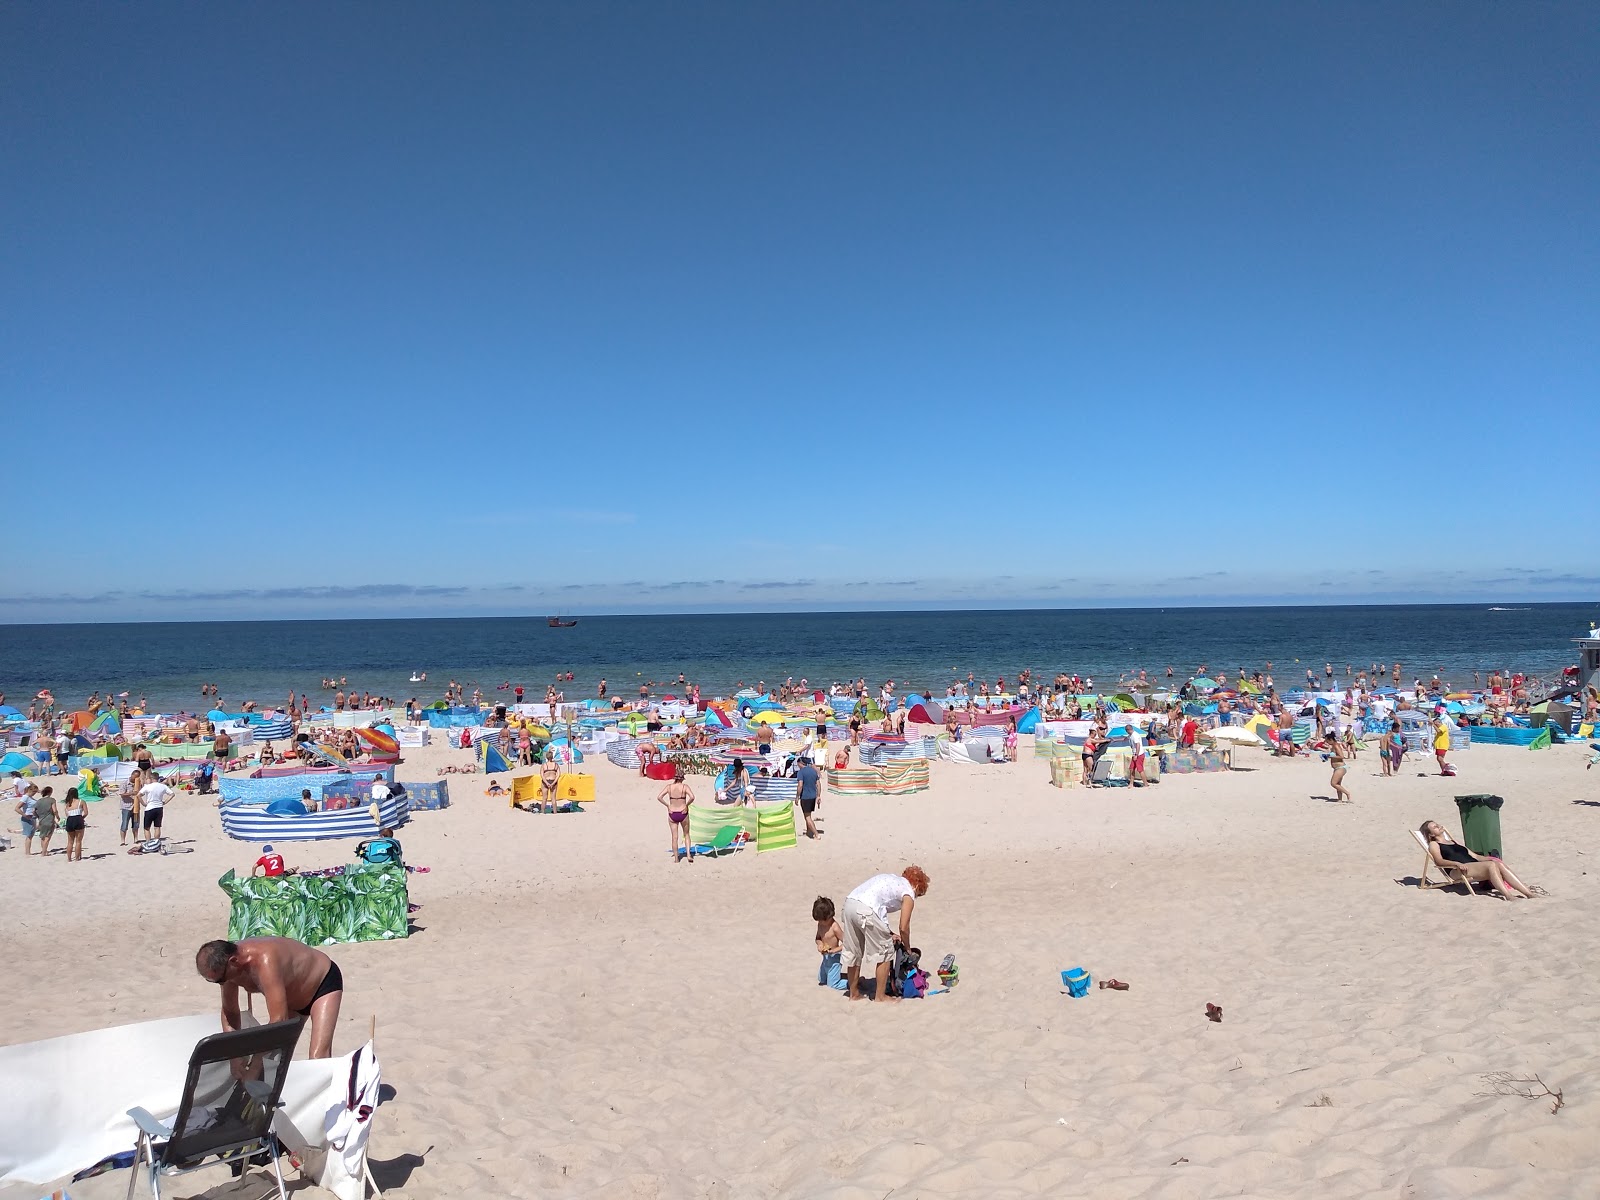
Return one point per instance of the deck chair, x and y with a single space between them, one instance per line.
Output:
220 1118
721 842
1452 876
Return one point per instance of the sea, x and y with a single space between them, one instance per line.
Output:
167 663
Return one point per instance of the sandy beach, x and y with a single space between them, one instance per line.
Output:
574 1015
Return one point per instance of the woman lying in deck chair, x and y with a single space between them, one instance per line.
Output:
1451 855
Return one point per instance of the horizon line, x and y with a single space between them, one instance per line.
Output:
1510 602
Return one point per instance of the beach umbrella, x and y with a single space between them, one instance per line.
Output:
1203 682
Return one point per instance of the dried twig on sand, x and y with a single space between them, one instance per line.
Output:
1504 1083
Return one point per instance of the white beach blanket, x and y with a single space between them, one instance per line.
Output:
64 1101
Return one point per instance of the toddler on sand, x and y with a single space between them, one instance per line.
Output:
829 939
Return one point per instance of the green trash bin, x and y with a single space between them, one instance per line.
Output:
1480 823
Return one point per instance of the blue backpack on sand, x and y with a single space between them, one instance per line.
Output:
381 851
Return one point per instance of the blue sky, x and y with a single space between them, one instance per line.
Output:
368 309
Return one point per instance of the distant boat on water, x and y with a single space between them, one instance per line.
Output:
558 623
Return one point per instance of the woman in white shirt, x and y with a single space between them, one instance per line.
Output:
865 920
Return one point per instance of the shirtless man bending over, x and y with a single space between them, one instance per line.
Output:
291 976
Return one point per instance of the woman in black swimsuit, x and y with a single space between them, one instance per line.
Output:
1447 852
76 818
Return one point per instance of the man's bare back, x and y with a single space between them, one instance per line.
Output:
290 976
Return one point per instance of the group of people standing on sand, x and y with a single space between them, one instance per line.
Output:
41 814
678 798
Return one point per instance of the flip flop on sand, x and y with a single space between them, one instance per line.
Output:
1214 1013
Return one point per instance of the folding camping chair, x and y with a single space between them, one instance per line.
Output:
1452 875
220 1116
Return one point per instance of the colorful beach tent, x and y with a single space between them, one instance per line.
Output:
490 759
753 705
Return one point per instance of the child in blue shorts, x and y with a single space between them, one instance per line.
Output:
829 939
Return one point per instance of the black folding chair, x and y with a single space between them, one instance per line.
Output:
229 1099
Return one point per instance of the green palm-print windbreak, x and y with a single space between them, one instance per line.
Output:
366 904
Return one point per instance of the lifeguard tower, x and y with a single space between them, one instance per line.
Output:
1589 658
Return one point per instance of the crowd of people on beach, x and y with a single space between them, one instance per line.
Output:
864 945
1343 729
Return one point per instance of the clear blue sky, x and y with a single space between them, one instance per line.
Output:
359 309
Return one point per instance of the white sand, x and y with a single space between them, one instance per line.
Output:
577 1016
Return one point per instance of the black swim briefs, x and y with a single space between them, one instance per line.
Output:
331 982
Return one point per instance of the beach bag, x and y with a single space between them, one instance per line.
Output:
382 851
902 966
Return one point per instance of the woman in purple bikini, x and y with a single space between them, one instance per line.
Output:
677 796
